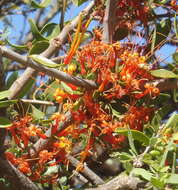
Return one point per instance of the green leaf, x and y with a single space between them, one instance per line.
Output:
143 173
163 73
36 34
165 154
39 47
137 135
160 34
67 88
176 25
163 1
26 88
4 122
172 121
175 95
175 57
43 4
12 78
125 157
158 116
18 47
7 103
157 182
50 30
49 92
4 94
173 179
131 143
78 2
43 61
36 113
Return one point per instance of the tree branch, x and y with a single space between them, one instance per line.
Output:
87 172
16 88
54 45
44 143
18 180
121 182
109 21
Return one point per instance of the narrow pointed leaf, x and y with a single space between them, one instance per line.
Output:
50 30
4 122
163 73
36 34
43 4
176 25
136 135
43 61
7 103
4 94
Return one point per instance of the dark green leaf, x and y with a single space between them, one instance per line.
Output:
137 135
4 122
19 47
39 47
36 34
12 78
43 61
163 73
160 34
26 88
175 57
50 30
175 95
43 4
176 25
4 94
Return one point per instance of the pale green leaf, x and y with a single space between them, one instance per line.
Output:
43 61
36 113
143 173
163 73
4 94
43 4
136 135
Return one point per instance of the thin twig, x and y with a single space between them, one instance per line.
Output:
37 102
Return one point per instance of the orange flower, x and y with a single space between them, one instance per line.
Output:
45 156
